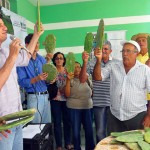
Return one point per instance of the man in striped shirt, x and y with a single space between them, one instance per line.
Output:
129 81
101 93
10 102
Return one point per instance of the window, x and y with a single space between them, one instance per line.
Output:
5 4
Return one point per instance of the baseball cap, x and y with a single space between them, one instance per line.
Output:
133 43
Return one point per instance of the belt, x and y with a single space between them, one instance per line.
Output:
38 93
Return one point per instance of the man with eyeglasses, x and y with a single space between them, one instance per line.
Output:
101 93
33 80
129 81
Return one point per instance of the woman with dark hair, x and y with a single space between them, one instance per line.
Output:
79 102
58 105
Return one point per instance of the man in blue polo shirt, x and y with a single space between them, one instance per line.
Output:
32 79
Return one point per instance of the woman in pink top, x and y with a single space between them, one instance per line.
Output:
58 105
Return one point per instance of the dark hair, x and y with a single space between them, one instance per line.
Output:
78 63
55 55
1 13
28 38
1 16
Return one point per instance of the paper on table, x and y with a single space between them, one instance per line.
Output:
31 130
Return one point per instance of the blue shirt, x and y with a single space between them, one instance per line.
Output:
25 74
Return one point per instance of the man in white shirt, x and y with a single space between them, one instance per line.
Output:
129 81
10 101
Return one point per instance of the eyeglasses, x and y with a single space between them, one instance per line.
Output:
128 51
57 58
105 49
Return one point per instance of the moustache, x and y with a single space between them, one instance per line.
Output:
125 58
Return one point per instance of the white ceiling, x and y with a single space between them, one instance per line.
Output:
55 2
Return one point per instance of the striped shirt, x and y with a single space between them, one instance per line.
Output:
127 91
101 90
10 95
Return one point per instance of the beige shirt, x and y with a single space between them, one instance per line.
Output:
80 95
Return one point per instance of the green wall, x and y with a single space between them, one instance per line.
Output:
25 9
94 9
90 10
13 6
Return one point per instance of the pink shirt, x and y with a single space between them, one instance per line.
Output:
61 82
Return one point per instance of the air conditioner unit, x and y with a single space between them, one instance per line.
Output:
5 4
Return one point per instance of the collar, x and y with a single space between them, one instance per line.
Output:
137 64
143 55
110 58
37 55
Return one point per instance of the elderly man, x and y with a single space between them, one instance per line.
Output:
129 81
101 93
9 90
141 39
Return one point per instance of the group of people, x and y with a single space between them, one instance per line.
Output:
117 94
120 88
129 82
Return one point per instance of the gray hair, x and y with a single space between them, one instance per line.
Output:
107 43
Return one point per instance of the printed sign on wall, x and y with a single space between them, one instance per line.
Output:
16 25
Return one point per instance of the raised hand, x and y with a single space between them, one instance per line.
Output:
49 56
70 75
36 29
98 53
85 57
